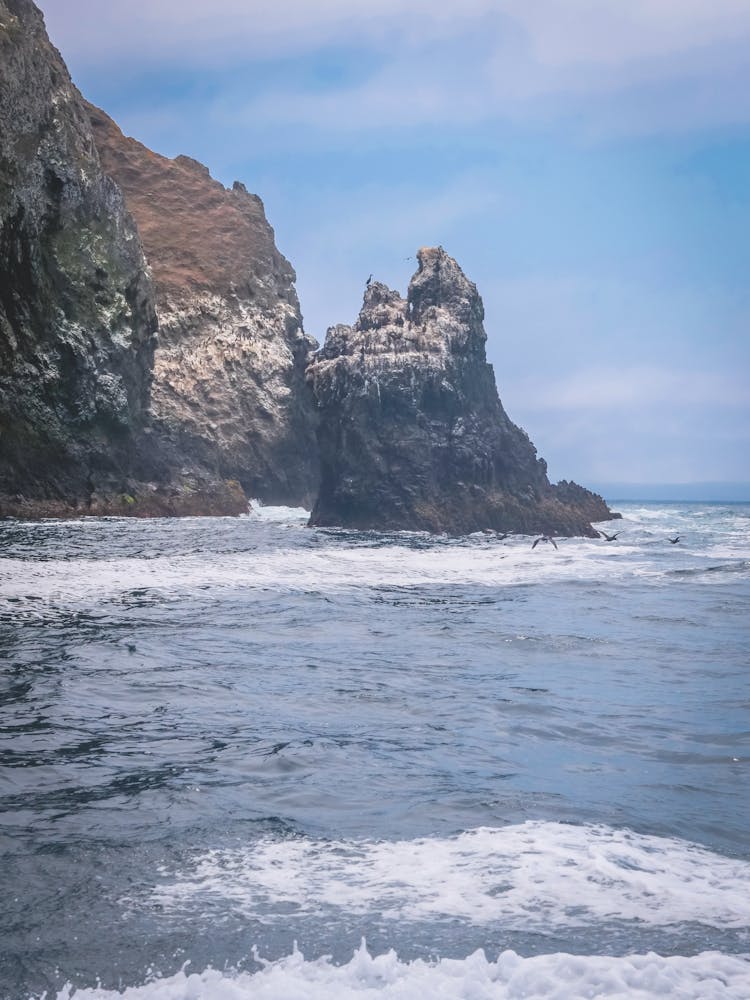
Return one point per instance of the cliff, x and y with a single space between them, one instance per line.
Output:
77 314
412 432
229 390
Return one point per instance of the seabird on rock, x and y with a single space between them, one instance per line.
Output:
609 538
544 538
367 284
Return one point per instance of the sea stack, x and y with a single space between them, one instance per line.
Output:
412 432
229 390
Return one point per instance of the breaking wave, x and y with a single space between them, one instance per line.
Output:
709 976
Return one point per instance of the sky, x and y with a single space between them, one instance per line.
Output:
585 161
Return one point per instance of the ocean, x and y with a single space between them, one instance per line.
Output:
243 758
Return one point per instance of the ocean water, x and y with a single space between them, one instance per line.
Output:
242 758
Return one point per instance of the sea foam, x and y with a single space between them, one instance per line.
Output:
338 563
709 976
536 875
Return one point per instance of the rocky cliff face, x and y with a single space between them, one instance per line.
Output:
77 316
229 391
412 432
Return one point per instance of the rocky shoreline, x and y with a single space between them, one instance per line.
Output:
224 498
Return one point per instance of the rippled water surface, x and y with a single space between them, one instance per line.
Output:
222 736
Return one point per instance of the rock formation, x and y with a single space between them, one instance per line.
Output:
77 313
229 391
412 432
97 417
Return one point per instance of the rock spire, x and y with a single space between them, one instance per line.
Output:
412 432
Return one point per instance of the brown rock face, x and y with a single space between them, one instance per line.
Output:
412 432
76 307
228 391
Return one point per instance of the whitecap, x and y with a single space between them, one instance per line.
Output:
532 876
708 976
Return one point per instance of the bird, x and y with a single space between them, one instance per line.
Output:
544 538
674 540
609 538
367 283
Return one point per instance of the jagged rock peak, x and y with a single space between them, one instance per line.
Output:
441 290
412 432
441 313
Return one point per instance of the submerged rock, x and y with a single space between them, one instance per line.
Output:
412 432
229 391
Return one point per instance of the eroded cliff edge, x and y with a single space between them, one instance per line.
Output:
77 313
228 389
412 432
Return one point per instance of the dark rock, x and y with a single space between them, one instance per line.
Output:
592 505
186 497
77 316
86 406
412 432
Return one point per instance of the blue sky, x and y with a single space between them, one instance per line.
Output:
587 162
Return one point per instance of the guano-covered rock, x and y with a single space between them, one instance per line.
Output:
412 432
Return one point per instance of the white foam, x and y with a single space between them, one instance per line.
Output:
336 563
323 570
328 568
709 976
536 875
277 515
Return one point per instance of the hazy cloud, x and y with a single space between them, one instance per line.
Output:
632 65
627 388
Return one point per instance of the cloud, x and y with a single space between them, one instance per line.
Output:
199 34
623 32
637 424
626 388
628 65
578 32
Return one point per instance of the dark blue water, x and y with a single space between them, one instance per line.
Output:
220 734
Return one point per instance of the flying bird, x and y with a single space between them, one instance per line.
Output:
609 538
544 538
674 540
